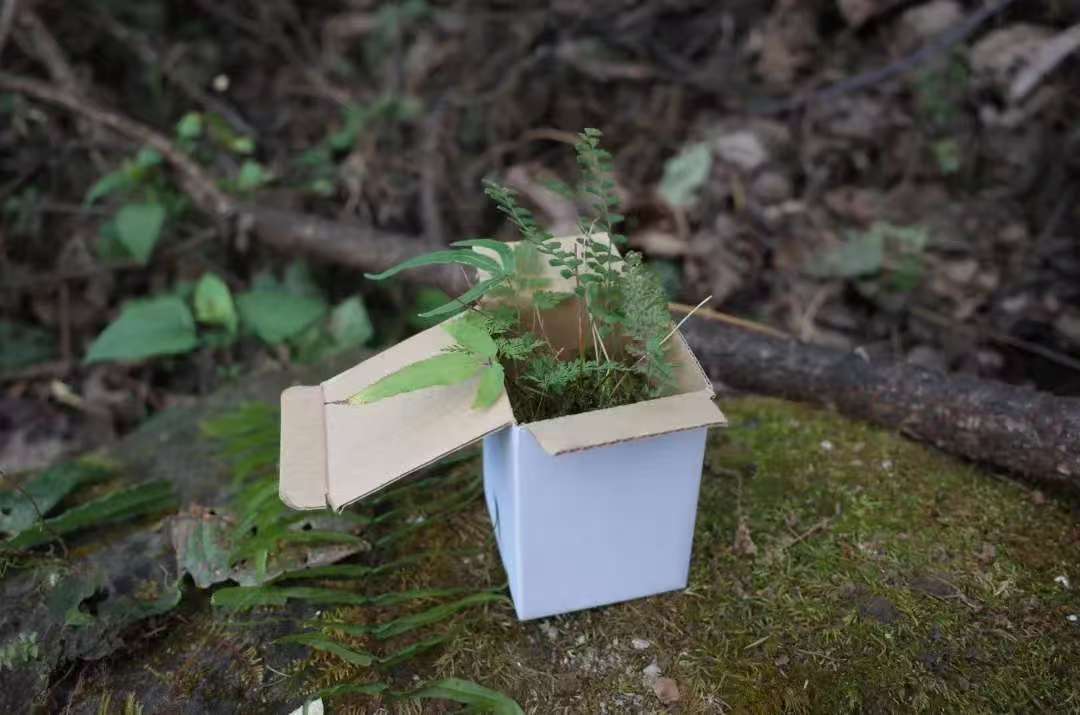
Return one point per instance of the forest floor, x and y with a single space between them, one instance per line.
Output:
889 175
836 567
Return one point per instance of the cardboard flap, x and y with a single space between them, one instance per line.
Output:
302 483
369 446
629 422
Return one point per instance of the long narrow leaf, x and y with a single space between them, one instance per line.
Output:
473 294
444 369
468 693
434 614
318 641
440 258
113 507
505 251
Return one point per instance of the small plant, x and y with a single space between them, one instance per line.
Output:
618 353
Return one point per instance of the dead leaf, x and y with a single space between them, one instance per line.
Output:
742 148
744 544
667 690
658 243
1000 55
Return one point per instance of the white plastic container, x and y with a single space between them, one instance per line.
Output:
592 527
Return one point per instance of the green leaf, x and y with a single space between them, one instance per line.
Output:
214 304
318 641
862 254
441 258
159 326
445 369
252 175
490 388
684 174
275 316
504 250
148 498
19 510
412 650
470 334
468 693
22 345
435 614
190 126
473 294
138 227
350 323
110 183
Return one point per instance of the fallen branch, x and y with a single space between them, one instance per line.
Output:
358 247
1027 432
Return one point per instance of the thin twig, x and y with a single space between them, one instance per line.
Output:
195 182
729 319
678 325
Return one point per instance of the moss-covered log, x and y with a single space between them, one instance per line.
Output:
1025 431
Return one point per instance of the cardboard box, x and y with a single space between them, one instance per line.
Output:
588 509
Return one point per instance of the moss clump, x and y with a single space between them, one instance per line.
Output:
886 577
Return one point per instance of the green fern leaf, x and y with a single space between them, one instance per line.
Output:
491 387
472 336
445 369
441 258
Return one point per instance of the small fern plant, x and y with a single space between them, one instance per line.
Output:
622 320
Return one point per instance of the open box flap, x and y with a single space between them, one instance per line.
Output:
303 448
365 447
333 453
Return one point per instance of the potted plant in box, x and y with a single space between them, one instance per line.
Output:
564 360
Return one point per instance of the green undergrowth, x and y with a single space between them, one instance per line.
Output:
869 574
389 607
884 577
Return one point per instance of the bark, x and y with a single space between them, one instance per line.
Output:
1027 432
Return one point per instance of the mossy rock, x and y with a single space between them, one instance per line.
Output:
885 577
882 576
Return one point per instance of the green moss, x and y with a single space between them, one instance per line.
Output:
886 577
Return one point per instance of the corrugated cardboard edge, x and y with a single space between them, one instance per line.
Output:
352 500
371 445
302 476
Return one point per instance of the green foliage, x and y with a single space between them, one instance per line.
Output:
276 315
121 505
445 369
685 173
21 509
146 328
22 345
138 227
214 303
616 300
477 697
248 439
884 258
646 321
